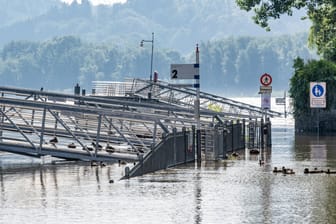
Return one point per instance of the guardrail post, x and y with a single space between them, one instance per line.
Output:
262 133
98 134
174 144
198 145
42 129
185 142
2 117
244 134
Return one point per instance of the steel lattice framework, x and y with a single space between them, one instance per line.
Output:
106 127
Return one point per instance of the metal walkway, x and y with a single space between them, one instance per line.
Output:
183 97
105 128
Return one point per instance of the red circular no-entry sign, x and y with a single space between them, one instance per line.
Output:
266 79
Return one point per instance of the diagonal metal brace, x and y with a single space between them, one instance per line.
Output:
69 131
21 132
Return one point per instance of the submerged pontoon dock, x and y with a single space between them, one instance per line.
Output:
110 125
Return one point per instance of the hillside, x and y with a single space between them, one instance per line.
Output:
56 45
178 24
231 66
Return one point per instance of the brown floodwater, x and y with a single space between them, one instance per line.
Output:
229 191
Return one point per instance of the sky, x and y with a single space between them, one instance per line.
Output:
98 2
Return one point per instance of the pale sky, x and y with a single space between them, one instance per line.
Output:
97 2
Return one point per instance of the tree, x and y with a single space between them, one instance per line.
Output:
228 65
322 71
322 13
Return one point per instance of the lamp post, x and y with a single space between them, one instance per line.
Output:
151 66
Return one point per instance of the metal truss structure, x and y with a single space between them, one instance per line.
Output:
104 127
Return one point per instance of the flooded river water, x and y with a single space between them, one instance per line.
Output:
228 191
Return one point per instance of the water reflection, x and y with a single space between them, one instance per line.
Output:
44 201
198 198
2 187
231 191
320 150
97 177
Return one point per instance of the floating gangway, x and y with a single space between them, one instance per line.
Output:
106 127
183 97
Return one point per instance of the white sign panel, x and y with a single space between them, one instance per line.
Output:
266 101
265 89
318 94
184 71
280 101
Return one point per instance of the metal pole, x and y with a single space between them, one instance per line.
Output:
42 128
151 69
197 109
98 134
151 65
154 135
2 118
285 104
197 86
318 124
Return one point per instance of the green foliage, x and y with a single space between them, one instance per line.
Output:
234 65
323 30
62 62
177 24
322 13
215 107
272 8
230 66
312 71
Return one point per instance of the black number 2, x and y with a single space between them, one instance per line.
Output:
174 74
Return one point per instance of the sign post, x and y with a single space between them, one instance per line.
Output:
317 95
282 101
197 109
266 101
191 71
184 71
265 91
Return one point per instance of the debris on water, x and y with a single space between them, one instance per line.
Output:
275 170
72 145
330 171
254 151
288 171
261 162
110 149
306 170
54 140
315 170
283 170
121 162
235 154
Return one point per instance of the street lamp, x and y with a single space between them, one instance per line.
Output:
141 45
